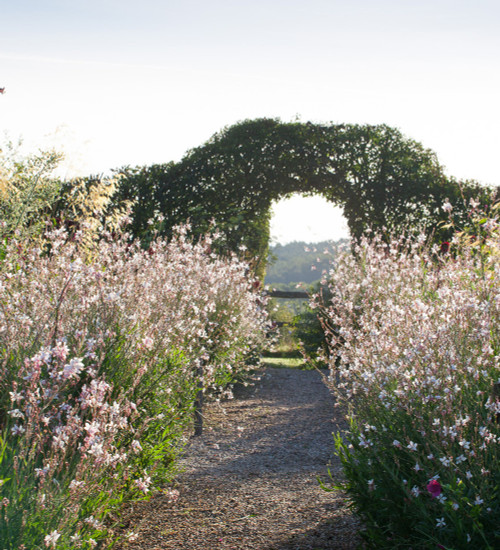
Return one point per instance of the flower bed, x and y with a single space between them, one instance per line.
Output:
414 339
102 352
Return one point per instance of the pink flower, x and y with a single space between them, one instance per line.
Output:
147 342
445 247
434 488
143 484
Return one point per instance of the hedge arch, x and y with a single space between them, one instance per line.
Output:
377 175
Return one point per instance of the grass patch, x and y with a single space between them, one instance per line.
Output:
284 362
283 352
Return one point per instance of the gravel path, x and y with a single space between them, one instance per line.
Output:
250 482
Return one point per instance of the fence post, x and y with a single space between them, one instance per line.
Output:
198 403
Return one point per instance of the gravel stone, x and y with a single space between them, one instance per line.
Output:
251 481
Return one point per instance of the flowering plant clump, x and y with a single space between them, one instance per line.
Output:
414 357
103 352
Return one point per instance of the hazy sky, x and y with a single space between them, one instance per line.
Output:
115 82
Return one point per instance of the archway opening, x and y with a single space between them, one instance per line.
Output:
310 219
299 256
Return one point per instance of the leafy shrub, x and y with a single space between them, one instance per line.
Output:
415 360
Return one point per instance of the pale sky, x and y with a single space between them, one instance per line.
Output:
116 82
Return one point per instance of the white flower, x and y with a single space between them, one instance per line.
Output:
412 446
50 540
143 484
15 396
445 461
73 368
415 491
75 484
17 429
478 501
147 342
92 521
96 449
440 522
396 443
172 494
365 443
447 207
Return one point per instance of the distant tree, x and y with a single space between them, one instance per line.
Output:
299 262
